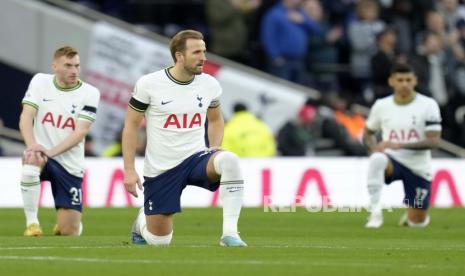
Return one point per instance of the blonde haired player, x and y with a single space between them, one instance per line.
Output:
58 111
410 124
176 102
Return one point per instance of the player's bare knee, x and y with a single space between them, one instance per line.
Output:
70 230
417 216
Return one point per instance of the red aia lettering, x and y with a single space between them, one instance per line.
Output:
173 120
403 135
312 174
48 118
443 176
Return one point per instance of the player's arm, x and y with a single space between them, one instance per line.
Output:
26 122
129 144
215 126
369 140
79 133
431 141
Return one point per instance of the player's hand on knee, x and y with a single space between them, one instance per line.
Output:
41 158
35 158
131 180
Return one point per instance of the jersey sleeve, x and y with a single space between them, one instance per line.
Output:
89 110
433 117
217 91
140 97
373 121
32 96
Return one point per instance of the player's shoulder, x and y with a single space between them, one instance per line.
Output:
384 101
207 80
423 99
90 88
151 78
42 78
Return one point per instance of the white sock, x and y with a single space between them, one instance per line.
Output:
80 229
141 222
156 240
30 190
141 226
377 164
420 224
231 190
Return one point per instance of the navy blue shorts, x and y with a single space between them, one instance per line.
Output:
162 194
416 188
66 188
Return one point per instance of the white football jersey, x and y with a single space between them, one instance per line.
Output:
58 109
175 113
407 124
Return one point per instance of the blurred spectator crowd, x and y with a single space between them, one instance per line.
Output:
342 48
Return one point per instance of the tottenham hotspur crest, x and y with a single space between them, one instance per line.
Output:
73 110
200 100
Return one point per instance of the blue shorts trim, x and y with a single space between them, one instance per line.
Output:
66 188
162 194
417 189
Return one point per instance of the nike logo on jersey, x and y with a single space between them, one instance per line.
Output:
167 102
47 100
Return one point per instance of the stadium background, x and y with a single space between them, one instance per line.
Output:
114 54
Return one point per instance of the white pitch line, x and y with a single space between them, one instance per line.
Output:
329 263
309 246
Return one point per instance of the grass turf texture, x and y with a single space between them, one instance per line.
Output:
299 243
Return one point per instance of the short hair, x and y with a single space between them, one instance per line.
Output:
401 68
178 42
240 107
66 51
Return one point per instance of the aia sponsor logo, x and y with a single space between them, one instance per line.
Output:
59 121
404 135
183 121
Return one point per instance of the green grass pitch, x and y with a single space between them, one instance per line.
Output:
299 243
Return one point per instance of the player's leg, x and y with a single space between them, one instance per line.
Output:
379 166
417 217
152 229
68 222
33 162
67 194
417 193
224 166
162 199
156 229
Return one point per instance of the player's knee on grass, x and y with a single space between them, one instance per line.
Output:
152 239
70 229
417 216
